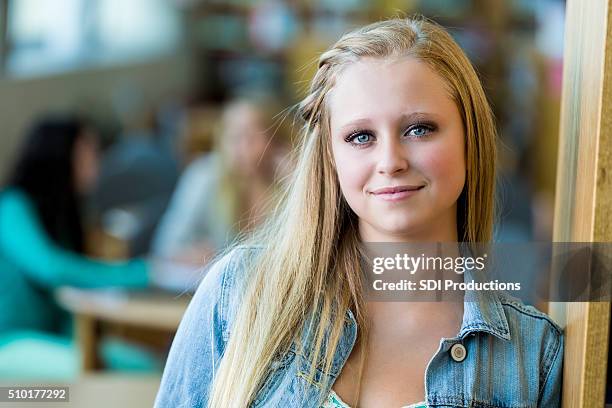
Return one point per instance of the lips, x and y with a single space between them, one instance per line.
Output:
396 189
395 194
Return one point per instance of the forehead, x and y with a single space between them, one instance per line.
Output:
371 88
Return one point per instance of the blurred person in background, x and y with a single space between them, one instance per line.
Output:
138 174
42 248
224 193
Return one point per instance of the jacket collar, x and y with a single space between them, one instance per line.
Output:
483 312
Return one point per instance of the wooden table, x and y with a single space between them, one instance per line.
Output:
149 310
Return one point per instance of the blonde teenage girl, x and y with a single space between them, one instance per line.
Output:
398 146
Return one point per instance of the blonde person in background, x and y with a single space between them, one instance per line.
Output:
398 146
223 193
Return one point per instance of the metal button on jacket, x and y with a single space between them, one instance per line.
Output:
458 352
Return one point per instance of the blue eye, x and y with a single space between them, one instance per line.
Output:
359 138
362 138
419 130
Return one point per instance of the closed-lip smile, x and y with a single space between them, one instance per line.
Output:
395 189
396 193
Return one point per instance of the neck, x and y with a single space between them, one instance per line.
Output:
414 317
442 230
418 313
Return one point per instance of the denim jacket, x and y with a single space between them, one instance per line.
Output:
513 360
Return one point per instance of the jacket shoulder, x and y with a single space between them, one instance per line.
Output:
200 341
224 280
538 337
516 309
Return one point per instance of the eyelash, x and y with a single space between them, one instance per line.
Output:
351 137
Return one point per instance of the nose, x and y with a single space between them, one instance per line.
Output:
392 156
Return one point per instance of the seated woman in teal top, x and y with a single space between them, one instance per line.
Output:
41 238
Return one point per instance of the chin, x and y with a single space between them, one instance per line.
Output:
402 232
401 229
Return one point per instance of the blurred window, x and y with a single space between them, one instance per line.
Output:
61 35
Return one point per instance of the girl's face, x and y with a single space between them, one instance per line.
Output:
245 139
398 144
85 161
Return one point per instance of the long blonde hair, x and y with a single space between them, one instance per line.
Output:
309 264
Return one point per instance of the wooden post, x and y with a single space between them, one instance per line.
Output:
88 336
583 205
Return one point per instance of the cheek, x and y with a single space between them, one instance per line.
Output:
352 172
444 165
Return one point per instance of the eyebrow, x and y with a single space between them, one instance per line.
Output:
407 117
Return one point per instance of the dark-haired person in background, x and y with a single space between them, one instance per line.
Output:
41 248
